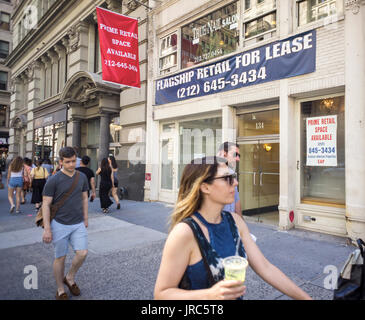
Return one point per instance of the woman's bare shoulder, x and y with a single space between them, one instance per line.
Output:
182 231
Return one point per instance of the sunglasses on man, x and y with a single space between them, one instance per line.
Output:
229 178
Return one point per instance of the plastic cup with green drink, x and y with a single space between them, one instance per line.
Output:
235 268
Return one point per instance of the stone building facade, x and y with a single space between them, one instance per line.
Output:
6 8
58 97
277 183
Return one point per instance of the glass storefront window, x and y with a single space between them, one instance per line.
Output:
322 181
49 140
59 139
209 37
198 138
312 10
259 123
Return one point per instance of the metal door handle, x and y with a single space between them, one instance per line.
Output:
254 178
261 173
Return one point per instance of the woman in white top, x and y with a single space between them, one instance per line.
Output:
15 182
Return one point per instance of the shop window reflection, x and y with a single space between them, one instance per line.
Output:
323 184
211 36
198 138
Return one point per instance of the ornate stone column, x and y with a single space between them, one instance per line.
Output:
53 57
104 136
34 87
355 117
76 132
47 77
79 43
61 52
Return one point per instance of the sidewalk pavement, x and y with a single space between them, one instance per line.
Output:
125 250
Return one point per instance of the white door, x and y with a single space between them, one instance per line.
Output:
168 166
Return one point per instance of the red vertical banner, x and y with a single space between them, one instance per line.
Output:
118 37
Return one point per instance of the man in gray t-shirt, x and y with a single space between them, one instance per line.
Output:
71 212
70 222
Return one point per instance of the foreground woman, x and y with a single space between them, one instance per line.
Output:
206 187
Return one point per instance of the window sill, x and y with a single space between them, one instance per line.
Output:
320 23
322 202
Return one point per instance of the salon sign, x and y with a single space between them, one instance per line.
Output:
322 141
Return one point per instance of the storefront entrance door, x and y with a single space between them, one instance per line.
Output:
168 167
259 178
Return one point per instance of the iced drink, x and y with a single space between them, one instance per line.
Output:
235 268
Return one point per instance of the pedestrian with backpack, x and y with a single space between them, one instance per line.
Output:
68 227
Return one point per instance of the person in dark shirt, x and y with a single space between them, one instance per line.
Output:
89 174
70 222
106 184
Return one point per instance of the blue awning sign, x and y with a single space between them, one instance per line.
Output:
287 58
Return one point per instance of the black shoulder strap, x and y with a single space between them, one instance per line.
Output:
195 228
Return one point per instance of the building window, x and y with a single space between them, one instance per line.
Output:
198 138
259 21
97 64
3 110
3 80
312 10
4 49
323 151
211 36
4 21
168 53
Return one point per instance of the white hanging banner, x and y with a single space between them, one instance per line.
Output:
322 141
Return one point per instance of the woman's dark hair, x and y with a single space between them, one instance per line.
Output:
104 165
38 163
66 152
28 162
114 163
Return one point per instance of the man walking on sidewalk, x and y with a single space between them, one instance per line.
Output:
231 152
70 222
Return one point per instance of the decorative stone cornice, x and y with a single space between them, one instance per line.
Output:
66 44
354 5
74 38
113 5
45 60
53 56
74 34
132 5
60 50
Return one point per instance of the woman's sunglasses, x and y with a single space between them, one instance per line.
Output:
228 178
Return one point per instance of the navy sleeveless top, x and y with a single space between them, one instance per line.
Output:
225 241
